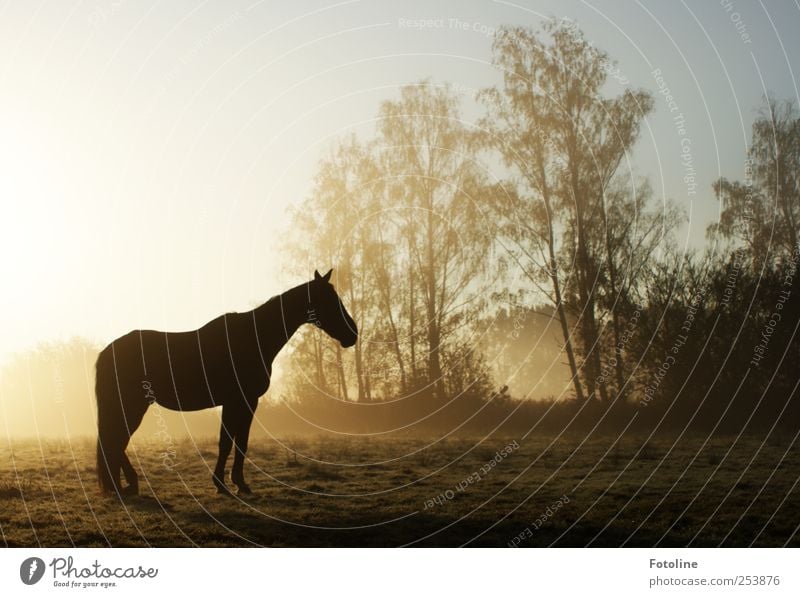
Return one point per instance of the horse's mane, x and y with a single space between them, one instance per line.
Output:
275 299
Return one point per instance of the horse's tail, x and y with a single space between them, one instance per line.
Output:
109 448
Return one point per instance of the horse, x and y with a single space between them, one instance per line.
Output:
227 362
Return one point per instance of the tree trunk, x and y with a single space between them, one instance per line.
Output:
384 287
362 394
319 363
342 379
562 317
434 336
619 350
367 382
412 317
586 278
591 345
562 312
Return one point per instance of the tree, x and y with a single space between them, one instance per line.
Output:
427 153
398 218
633 230
552 124
763 211
327 231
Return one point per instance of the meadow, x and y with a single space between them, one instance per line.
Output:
413 491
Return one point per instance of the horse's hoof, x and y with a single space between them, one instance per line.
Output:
219 484
245 489
223 490
124 492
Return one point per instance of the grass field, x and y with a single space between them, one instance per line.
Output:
359 491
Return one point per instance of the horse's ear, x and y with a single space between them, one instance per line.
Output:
317 277
327 277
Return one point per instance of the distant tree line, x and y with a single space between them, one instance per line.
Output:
445 266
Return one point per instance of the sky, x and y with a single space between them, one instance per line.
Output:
149 150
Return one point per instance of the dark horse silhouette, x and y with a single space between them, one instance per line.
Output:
227 363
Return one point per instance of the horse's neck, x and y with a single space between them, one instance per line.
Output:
279 318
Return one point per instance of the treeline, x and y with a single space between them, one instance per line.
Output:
427 244
442 263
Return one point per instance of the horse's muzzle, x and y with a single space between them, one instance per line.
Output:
349 342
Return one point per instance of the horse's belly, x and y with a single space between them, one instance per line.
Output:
185 400
192 386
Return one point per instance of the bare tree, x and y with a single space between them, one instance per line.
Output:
428 152
551 122
763 211
399 219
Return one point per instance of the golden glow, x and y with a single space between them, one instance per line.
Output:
148 154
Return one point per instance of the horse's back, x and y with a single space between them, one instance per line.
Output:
187 370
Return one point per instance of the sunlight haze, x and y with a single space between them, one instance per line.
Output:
149 151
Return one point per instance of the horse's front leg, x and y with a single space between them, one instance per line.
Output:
242 437
226 433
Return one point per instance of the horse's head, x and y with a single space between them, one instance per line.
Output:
327 312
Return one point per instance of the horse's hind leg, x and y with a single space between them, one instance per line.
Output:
130 476
226 432
133 418
242 437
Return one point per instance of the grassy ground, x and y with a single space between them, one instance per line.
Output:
413 491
